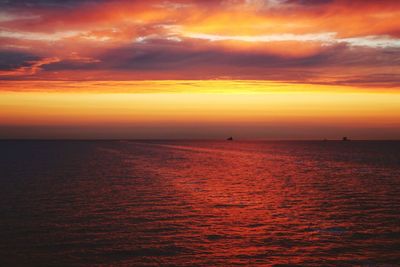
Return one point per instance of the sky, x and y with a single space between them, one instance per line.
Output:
264 69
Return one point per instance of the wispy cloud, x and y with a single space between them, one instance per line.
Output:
302 40
31 68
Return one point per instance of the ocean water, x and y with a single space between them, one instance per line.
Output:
199 203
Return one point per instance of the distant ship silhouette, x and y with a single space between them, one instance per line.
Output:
345 139
230 138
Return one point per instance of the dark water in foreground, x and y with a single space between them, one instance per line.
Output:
182 203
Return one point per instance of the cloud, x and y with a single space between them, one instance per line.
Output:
309 2
187 59
46 3
10 60
39 36
317 37
14 64
293 40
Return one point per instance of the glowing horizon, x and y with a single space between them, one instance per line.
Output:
219 107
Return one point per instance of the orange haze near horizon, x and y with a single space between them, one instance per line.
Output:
196 109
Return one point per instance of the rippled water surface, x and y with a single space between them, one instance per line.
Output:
199 203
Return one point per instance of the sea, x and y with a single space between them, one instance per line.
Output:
199 203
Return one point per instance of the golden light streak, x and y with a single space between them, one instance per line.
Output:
203 101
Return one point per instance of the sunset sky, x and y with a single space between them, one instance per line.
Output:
265 69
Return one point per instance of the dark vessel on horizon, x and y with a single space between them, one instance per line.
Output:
230 138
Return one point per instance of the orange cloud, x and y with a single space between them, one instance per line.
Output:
318 40
33 68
